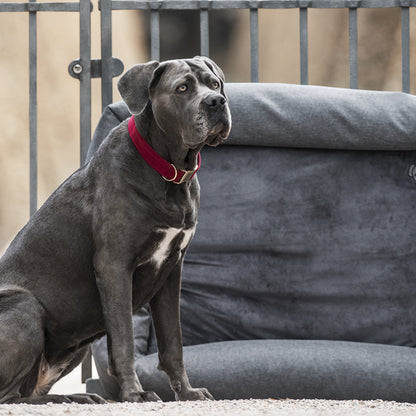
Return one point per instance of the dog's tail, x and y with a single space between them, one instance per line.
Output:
47 376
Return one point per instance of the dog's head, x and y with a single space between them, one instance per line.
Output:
187 98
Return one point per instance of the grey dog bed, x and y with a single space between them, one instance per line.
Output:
300 281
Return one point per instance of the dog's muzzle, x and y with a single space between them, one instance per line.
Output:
214 102
218 114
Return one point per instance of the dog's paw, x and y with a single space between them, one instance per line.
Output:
86 398
194 394
141 396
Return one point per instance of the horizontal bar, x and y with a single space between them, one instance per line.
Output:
257 4
39 7
210 4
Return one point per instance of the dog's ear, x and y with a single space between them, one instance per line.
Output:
215 69
134 85
157 75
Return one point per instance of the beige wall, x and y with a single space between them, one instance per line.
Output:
379 50
58 131
58 101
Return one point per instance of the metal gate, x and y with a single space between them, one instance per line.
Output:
107 67
84 68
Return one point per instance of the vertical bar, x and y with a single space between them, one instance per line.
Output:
155 35
303 24
352 35
106 54
85 77
86 368
254 45
405 50
85 111
204 27
33 112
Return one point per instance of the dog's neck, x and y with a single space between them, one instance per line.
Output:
170 147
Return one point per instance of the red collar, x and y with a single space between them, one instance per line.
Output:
168 171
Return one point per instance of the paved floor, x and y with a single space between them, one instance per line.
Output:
223 408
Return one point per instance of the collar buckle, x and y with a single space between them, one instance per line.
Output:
187 174
184 175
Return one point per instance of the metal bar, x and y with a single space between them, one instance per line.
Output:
195 4
405 50
106 55
353 47
86 368
39 7
264 4
33 113
303 28
85 113
204 28
85 77
154 35
254 45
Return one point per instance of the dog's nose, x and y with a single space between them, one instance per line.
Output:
214 101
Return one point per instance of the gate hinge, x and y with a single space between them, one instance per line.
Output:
76 68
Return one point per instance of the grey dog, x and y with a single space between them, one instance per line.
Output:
111 239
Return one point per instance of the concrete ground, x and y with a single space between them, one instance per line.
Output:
223 408
72 384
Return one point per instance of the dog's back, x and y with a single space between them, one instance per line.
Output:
51 257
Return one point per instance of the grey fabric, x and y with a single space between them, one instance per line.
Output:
112 116
296 369
305 232
295 243
287 115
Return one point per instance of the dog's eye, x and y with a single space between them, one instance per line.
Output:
215 85
182 88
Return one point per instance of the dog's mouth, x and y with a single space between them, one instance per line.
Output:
213 131
216 138
219 131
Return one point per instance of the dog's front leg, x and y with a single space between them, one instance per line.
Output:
166 321
115 287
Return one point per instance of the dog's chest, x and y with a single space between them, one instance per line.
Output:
171 241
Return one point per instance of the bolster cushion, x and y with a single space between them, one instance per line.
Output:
261 369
